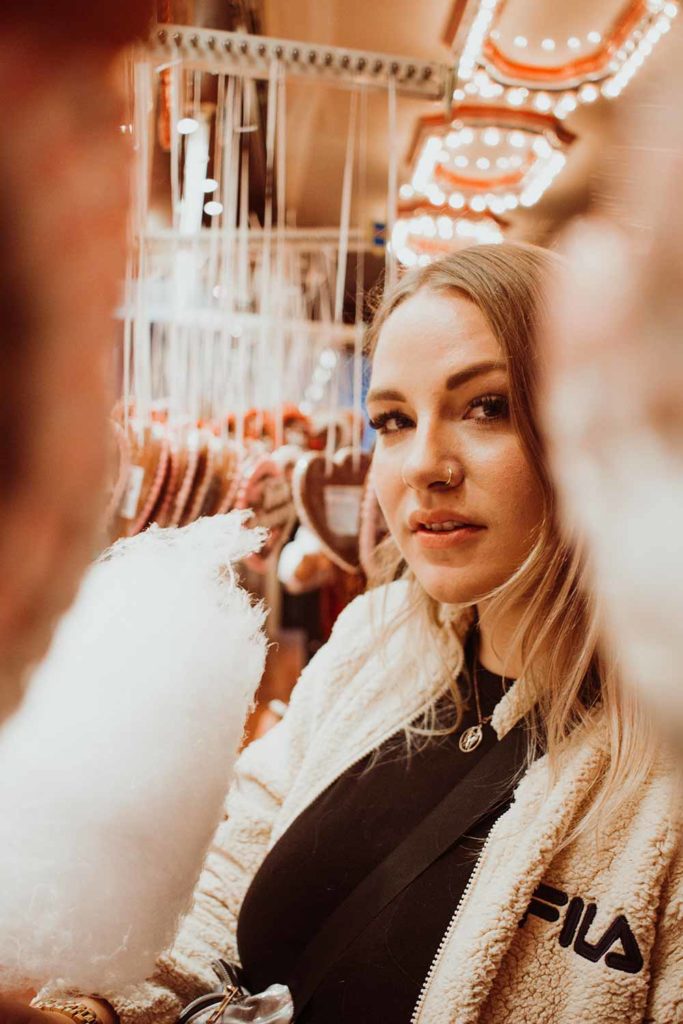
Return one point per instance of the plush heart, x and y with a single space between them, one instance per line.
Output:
119 472
208 457
177 459
373 529
229 477
328 500
148 464
265 490
191 448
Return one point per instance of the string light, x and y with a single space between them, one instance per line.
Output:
435 195
461 161
483 163
475 38
573 43
456 200
491 137
543 102
521 41
406 191
210 185
516 97
187 125
594 37
548 44
328 358
588 93
445 227
213 208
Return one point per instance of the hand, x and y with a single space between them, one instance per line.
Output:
14 1012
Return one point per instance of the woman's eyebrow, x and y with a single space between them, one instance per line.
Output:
455 380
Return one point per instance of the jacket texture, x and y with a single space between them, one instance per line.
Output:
592 933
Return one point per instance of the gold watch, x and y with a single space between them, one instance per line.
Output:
78 1012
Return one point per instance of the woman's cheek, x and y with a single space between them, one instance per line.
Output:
386 476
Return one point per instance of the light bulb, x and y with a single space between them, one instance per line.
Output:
573 43
213 208
187 125
548 44
328 358
588 93
521 41
210 185
594 37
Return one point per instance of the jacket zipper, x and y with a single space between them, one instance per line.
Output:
451 927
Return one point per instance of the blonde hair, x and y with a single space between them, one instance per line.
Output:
570 674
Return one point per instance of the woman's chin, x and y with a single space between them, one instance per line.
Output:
452 586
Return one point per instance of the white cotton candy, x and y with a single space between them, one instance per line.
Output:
114 771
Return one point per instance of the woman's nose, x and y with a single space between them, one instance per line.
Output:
431 467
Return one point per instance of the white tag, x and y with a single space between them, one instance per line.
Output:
342 508
131 497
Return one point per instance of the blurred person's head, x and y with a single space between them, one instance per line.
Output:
63 193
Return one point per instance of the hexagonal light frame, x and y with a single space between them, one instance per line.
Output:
484 70
542 137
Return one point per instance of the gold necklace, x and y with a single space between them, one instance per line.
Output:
472 737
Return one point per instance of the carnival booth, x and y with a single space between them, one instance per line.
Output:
278 175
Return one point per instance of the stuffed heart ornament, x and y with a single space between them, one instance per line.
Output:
328 499
265 490
147 471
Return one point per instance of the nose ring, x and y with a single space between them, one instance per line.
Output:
446 483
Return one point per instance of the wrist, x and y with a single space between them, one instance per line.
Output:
77 1009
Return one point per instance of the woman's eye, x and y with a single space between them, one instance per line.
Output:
390 422
489 407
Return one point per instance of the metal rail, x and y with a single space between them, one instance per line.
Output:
252 56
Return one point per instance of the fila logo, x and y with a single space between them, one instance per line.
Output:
578 917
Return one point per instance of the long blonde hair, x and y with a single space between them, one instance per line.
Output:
563 660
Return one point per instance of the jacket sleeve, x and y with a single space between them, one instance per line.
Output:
665 1000
263 776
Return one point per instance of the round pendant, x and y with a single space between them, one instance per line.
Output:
470 739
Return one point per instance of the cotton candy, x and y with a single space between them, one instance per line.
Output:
114 771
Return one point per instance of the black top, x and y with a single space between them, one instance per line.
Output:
332 846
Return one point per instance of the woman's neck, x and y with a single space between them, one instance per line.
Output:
498 651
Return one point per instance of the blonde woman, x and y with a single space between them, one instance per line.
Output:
559 903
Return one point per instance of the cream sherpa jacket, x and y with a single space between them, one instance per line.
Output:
592 934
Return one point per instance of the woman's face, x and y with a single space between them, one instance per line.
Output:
439 399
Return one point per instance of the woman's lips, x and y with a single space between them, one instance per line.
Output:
447 538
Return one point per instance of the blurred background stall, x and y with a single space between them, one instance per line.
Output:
288 159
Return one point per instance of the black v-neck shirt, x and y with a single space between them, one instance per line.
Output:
335 842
